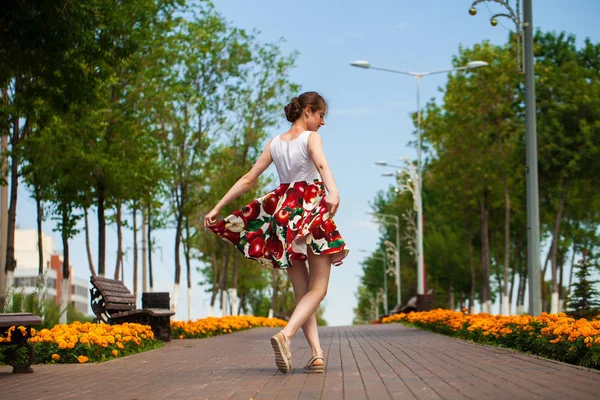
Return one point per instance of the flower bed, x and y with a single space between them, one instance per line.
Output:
82 342
212 326
556 336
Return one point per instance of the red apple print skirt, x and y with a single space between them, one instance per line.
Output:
279 226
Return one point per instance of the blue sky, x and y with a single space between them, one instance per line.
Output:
369 110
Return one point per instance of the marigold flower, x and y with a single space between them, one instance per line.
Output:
115 352
82 359
55 357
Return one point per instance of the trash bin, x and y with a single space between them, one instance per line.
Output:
156 300
424 302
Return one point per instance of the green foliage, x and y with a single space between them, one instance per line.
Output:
363 313
94 352
585 300
152 103
259 302
529 337
474 173
36 303
19 302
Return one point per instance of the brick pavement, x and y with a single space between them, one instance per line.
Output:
363 362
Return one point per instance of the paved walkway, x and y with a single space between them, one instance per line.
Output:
363 362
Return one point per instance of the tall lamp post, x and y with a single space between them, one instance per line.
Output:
407 178
391 219
531 160
380 256
418 76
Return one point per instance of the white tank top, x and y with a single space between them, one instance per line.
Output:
292 159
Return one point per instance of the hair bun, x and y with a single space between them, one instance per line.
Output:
313 100
293 110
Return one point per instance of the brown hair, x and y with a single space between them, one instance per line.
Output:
314 100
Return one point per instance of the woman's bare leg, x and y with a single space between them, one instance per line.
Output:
320 268
299 277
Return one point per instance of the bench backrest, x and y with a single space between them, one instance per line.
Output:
115 294
17 319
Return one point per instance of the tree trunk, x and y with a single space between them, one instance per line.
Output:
505 309
135 255
561 269
451 295
485 253
11 263
144 265
514 272
498 270
242 309
119 265
544 288
223 280
150 278
101 231
234 284
274 297
571 271
4 134
545 268
178 235
87 241
66 288
553 250
40 217
188 263
505 298
471 267
522 286
215 279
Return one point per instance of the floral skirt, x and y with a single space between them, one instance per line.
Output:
278 227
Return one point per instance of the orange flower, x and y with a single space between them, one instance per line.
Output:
115 352
55 357
82 359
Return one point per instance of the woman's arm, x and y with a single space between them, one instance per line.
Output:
242 185
315 150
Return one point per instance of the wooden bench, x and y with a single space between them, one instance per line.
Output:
18 353
113 303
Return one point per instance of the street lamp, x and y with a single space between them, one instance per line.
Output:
385 219
385 271
418 75
412 184
531 159
511 14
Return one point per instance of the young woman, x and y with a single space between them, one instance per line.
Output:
292 224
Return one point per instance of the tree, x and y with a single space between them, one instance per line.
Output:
567 128
44 61
585 300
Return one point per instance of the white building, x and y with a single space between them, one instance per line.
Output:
27 269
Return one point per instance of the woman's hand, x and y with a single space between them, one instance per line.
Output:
333 202
210 218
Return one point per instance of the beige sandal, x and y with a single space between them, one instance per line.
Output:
283 353
311 368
